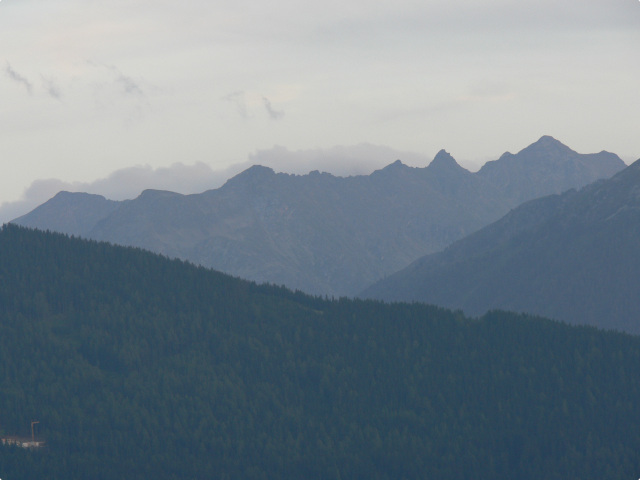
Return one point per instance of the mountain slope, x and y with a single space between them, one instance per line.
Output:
70 213
547 166
136 366
316 232
573 257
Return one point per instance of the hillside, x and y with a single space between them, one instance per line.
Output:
319 233
574 257
137 366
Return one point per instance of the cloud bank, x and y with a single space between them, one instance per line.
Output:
128 183
342 161
121 185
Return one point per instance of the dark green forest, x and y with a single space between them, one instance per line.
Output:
137 366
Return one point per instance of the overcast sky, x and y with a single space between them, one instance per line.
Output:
179 95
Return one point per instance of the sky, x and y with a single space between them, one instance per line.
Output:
115 97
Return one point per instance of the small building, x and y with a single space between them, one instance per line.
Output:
23 442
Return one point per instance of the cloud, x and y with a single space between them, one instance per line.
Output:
130 182
123 184
38 192
246 102
178 177
237 98
16 77
126 85
129 86
342 161
273 114
52 88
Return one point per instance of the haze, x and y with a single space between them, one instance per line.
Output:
113 97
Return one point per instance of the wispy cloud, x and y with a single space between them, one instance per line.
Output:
273 113
52 88
16 77
237 98
125 83
129 86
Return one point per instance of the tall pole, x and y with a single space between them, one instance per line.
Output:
33 437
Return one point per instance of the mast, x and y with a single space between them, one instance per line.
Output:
33 438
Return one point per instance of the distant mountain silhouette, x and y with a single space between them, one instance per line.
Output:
574 257
547 166
320 233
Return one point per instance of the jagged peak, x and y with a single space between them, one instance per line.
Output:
444 160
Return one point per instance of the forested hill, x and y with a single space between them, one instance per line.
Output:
141 367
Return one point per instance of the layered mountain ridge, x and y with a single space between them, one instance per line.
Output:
572 257
320 233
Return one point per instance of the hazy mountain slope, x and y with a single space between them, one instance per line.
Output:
316 232
71 213
546 167
574 257
136 366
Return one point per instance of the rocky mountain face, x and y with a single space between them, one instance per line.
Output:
320 233
574 257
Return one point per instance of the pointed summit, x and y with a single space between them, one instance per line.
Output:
547 166
443 161
257 171
252 176
547 145
395 166
395 169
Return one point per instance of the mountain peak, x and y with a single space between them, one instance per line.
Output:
256 172
444 161
395 165
547 139
547 144
81 212
252 176
393 168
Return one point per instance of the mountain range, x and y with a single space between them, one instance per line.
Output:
573 257
320 233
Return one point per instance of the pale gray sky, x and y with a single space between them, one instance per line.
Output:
197 88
